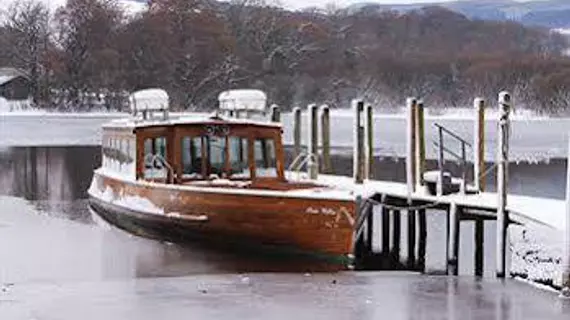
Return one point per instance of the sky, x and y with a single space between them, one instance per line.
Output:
298 4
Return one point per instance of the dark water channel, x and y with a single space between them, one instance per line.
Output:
48 236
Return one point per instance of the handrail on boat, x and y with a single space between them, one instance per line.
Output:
297 164
151 158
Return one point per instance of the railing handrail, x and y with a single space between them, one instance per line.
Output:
165 163
296 165
452 134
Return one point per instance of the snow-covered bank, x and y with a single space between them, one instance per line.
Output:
537 254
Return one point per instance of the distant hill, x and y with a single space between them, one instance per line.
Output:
549 13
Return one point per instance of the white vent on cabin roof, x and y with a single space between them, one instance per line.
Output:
148 101
243 102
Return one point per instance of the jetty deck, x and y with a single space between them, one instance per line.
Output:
522 209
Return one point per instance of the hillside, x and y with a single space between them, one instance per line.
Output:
195 49
547 13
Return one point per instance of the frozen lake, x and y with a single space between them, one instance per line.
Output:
57 263
532 138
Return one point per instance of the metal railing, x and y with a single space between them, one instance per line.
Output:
153 159
300 160
442 149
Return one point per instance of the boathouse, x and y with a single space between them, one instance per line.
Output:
14 84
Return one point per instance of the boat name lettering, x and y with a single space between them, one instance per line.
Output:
325 211
217 130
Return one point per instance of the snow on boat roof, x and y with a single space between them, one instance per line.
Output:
149 99
243 99
131 123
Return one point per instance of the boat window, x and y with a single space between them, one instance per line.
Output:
239 163
155 158
191 157
216 147
265 161
160 147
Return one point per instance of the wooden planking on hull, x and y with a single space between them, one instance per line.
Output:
164 228
312 225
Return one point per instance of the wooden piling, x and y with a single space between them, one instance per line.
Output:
422 240
313 142
369 142
479 246
297 131
479 144
502 180
358 247
453 240
411 240
386 237
410 146
358 107
566 265
396 235
326 166
370 230
420 147
275 113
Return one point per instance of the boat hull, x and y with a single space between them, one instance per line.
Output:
317 228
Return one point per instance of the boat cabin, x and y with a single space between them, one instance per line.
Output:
228 147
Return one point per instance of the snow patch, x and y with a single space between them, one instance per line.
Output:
537 253
135 203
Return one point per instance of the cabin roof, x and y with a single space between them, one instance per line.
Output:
132 123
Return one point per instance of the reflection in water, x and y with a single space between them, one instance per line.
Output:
55 180
37 249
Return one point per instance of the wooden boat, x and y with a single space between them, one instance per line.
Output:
221 178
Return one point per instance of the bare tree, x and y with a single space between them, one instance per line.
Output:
27 40
86 34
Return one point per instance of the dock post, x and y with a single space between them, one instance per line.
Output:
453 240
410 146
422 240
296 131
479 145
396 235
411 239
275 113
326 139
358 243
502 180
313 142
357 168
479 246
385 238
370 230
369 143
566 271
420 147
440 163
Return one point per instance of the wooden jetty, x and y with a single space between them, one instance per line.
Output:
424 192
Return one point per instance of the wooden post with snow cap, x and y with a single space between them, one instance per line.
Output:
296 131
565 293
502 180
326 166
275 113
313 142
479 144
410 146
357 165
369 143
420 147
